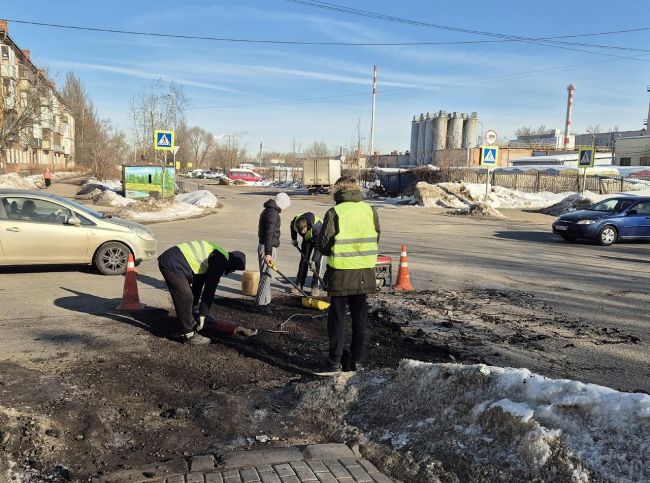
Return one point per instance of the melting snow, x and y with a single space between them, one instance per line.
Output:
489 421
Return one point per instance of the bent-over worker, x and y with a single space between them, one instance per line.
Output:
192 271
308 227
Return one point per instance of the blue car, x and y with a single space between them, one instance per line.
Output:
618 218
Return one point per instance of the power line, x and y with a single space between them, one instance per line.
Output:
342 44
390 18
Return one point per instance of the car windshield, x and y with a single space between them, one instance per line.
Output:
80 207
613 205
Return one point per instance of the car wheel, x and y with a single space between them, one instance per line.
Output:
607 235
568 238
111 258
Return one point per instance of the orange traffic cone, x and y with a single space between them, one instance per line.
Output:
403 277
130 297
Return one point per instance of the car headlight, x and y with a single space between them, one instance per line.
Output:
586 222
143 233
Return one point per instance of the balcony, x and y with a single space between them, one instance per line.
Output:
57 148
47 144
36 143
8 70
9 103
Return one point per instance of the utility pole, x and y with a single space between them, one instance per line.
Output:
372 116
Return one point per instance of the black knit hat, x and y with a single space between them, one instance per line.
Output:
237 261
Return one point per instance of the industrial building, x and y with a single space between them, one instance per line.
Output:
49 143
551 139
431 133
632 151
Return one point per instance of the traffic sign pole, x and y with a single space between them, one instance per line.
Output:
487 182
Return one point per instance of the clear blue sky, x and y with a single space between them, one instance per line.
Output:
266 92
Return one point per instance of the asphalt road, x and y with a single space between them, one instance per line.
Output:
605 286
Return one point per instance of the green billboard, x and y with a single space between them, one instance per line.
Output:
144 181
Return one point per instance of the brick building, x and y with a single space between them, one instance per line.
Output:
49 141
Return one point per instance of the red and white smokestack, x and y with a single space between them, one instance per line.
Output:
372 116
569 107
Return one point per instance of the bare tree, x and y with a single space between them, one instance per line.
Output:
160 105
318 149
31 104
199 143
533 135
229 154
107 149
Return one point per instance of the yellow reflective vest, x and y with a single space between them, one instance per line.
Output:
310 234
197 252
355 246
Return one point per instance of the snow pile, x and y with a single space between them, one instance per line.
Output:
500 197
462 195
451 422
15 181
201 198
479 209
154 211
110 198
575 201
93 188
436 196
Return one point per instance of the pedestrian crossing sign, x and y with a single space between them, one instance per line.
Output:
163 140
586 157
489 155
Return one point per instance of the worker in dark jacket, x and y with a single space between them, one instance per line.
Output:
308 227
192 271
349 238
269 240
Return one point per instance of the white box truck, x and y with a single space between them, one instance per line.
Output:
320 174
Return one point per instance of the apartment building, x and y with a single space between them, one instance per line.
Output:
47 140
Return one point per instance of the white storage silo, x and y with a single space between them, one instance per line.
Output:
428 138
455 131
413 153
440 131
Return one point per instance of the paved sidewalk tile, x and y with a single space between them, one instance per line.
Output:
334 463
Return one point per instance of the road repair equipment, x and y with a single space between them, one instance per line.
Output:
307 301
384 271
403 277
316 275
227 327
130 298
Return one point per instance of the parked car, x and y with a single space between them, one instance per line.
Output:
39 228
617 218
244 174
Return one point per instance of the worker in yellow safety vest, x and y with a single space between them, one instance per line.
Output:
308 227
192 271
349 238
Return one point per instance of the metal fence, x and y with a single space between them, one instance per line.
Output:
573 181
402 182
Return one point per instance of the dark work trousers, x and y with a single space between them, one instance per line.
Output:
185 292
307 248
336 326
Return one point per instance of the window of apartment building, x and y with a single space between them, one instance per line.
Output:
626 161
6 88
5 52
644 161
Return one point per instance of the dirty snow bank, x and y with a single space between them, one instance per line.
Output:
110 198
451 422
16 181
572 202
201 198
155 212
461 195
479 209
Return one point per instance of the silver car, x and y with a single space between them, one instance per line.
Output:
38 228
